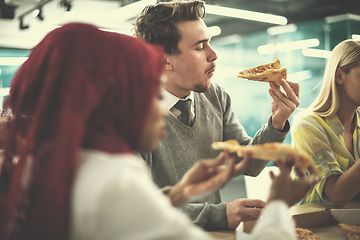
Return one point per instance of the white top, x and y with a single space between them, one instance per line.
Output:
114 197
276 223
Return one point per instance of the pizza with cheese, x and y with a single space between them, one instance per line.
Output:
305 234
270 72
267 151
351 231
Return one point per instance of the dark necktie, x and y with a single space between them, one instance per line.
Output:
184 108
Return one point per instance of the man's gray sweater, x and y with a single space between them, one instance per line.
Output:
184 145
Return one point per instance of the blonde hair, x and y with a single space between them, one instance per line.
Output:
345 56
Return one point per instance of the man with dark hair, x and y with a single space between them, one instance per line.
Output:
190 63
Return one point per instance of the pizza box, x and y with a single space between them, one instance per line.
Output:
321 221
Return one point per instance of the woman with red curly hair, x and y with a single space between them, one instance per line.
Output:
78 108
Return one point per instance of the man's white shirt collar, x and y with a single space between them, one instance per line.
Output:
170 100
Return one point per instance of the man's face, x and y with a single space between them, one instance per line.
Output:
192 69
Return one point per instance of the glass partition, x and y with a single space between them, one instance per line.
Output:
251 100
10 61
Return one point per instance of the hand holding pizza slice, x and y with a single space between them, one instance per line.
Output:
285 94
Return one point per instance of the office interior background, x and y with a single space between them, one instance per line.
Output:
246 33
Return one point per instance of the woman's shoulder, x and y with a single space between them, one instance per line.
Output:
305 116
104 157
99 174
101 162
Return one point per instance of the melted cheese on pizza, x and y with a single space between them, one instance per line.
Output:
305 234
270 72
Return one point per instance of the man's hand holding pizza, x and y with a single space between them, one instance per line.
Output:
283 104
205 177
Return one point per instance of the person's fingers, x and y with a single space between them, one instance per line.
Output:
219 160
272 175
252 203
314 179
292 90
288 165
285 166
289 99
313 174
295 87
210 183
276 99
299 172
225 175
192 190
240 167
312 170
281 165
278 163
251 213
281 100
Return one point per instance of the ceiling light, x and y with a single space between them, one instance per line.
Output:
12 61
289 46
38 13
342 17
309 52
266 49
214 30
355 37
282 29
130 11
4 91
244 14
230 39
35 13
299 76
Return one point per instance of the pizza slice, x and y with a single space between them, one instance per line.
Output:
305 234
270 72
351 231
267 151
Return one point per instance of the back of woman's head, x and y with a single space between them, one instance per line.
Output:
345 56
80 88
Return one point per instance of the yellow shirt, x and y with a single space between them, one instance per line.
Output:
322 139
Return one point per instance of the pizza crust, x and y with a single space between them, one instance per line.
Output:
351 231
267 151
270 72
305 234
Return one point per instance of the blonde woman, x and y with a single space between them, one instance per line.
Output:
329 129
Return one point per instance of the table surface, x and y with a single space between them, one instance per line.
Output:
223 234
299 209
